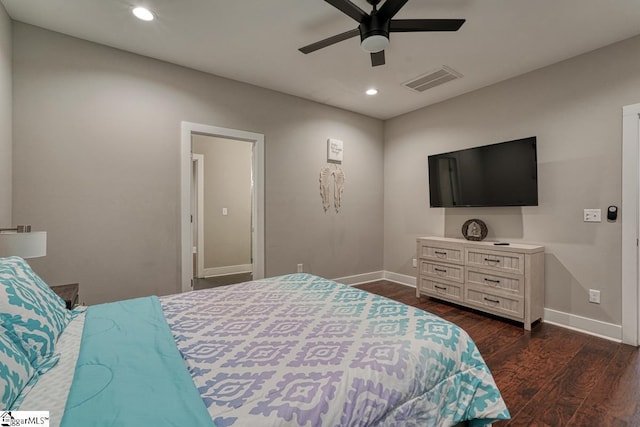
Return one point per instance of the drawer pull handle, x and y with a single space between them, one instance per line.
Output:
492 260
440 253
492 300
491 280
440 287
441 270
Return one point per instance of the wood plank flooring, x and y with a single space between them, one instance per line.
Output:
550 376
215 281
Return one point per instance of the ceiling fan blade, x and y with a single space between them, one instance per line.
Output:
349 9
329 41
407 25
377 58
390 8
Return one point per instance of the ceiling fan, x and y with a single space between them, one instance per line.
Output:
375 27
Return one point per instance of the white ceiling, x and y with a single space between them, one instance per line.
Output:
257 41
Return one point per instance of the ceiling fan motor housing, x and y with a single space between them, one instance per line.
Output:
369 28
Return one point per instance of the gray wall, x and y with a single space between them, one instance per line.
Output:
5 119
227 184
575 109
96 165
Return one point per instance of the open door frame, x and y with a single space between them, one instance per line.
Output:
630 224
257 247
197 163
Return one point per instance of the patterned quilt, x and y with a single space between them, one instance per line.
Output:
300 350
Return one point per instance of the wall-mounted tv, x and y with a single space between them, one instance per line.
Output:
503 174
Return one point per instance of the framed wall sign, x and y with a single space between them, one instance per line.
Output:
334 150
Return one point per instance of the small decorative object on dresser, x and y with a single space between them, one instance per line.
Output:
474 229
507 282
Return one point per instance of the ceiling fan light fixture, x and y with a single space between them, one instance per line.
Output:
375 43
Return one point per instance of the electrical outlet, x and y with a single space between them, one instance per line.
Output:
300 268
415 263
592 215
594 296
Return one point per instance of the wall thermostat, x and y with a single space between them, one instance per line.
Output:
612 213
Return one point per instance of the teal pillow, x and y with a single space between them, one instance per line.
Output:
15 372
33 315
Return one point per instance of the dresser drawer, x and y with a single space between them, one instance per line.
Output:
498 260
431 251
445 290
442 271
495 303
496 280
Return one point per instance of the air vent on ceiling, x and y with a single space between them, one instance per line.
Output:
432 79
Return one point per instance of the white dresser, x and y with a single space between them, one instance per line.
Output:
507 281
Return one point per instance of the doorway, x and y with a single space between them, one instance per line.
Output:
222 226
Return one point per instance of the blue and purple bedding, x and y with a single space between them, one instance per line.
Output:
295 350
300 350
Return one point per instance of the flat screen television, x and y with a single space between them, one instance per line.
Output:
503 174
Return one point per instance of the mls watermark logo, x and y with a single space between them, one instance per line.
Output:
24 418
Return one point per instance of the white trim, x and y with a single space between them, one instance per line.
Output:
629 218
402 279
585 325
358 279
186 263
227 269
257 248
198 159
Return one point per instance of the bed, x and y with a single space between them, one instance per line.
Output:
294 350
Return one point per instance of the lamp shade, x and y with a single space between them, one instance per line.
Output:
25 245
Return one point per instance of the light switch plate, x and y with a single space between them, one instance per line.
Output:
592 215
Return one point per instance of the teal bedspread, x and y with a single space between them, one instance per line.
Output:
130 373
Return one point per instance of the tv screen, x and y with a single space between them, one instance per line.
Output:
503 174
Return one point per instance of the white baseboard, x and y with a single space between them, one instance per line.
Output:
574 322
359 279
228 269
577 323
402 279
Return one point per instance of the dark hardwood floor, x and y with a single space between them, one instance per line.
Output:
215 281
550 376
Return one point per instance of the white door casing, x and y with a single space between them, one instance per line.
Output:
630 225
198 165
257 217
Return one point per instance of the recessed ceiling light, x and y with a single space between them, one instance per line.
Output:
143 13
372 91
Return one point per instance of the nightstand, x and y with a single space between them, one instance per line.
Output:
69 293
